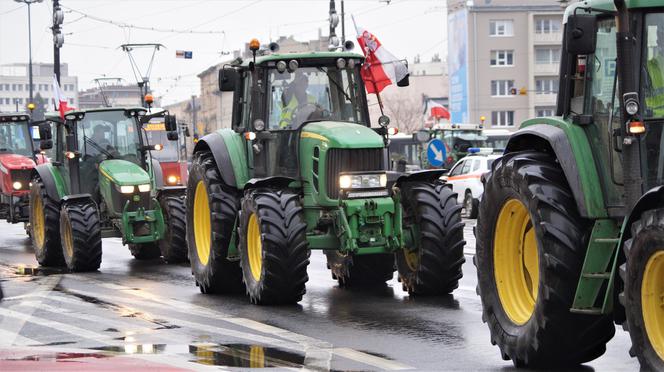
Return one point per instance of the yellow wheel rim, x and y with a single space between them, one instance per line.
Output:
256 357
652 301
516 261
68 239
254 247
412 259
38 224
202 225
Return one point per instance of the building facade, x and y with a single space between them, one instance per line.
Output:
503 60
15 88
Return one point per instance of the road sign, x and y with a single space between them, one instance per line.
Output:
186 54
436 152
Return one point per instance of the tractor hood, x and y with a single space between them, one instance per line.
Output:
343 135
123 173
15 161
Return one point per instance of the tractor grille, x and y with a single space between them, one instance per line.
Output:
350 160
22 176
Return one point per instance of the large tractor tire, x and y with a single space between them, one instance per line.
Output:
81 235
433 216
174 244
643 275
212 210
45 226
531 245
363 270
274 252
145 251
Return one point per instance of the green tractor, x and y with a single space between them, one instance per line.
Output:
100 184
302 169
570 235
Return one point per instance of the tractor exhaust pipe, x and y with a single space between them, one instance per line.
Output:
628 91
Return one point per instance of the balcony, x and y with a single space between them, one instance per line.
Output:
555 38
547 69
544 99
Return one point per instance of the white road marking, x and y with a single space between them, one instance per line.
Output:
371 360
17 340
13 327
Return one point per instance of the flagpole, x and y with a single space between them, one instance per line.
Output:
380 101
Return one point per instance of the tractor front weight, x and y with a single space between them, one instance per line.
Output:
142 226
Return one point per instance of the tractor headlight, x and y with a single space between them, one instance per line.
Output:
362 181
171 180
127 189
144 188
17 185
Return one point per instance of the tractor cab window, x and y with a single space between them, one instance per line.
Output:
15 138
652 77
462 140
154 133
313 94
108 135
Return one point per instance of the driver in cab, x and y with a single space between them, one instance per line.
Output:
294 99
98 144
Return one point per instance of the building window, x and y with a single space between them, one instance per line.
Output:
546 85
502 58
504 27
545 111
545 56
547 26
502 118
501 88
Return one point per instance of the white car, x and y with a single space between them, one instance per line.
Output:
465 178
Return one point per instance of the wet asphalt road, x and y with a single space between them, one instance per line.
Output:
151 313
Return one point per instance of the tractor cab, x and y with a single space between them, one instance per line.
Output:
458 138
285 96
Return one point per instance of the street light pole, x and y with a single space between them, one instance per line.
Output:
28 3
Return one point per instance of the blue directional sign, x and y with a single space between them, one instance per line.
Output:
436 152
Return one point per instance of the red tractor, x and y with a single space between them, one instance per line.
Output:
172 158
17 160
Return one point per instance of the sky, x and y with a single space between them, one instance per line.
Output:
406 27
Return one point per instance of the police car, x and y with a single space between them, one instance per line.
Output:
465 178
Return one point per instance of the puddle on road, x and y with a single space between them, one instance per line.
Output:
227 355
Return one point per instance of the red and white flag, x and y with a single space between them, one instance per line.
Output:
381 68
60 98
436 111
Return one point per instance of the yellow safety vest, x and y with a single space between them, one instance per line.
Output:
655 96
287 112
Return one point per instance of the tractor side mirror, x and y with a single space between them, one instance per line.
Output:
581 34
170 123
172 136
228 79
45 136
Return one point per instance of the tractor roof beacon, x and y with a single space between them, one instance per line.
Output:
571 226
101 184
302 169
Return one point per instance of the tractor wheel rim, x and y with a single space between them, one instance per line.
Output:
254 247
38 224
516 261
68 239
256 357
412 259
652 301
202 224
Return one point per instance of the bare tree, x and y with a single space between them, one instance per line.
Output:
405 112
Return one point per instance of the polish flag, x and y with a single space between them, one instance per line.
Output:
381 68
60 98
437 111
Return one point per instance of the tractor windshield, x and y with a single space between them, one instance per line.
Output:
15 138
461 140
314 94
154 133
109 135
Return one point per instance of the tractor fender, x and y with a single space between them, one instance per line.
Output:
216 144
171 190
653 199
158 173
47 178
275 181
69 199
430 175
532 138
